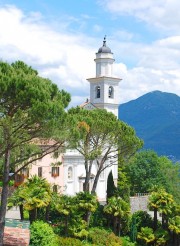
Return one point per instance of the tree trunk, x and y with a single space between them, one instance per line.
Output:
155 220
88 175
93 191
119 228
4 195
21 212
87 217
66 226
32 215
47 213
115 225
163 221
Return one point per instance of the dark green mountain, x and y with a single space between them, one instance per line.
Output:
156 118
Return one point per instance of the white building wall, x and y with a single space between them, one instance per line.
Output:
104 79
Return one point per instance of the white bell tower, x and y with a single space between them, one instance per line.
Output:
104 87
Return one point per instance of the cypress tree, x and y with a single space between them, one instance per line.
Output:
111 188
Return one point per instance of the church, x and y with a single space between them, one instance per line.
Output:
69 177
103 94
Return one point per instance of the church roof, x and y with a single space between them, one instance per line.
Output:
88 105
104 48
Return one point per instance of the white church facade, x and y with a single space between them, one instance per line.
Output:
69 177
103 94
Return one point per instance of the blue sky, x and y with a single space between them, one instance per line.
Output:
59 38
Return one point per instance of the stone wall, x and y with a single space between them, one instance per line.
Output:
139 202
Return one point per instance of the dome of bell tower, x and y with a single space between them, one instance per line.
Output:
104 48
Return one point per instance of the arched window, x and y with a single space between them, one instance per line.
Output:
70 173
111 92
98 92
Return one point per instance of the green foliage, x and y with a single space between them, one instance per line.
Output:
34 193
30 107
119 210
162 201
98 236
123 185
67 241
71 214
101 237
127 242
111 188
171 174
161 236
98 218
11 182
146 236
98 135
142 219
174 224
117 207
113 240
86 201
31 110
147 169
42 235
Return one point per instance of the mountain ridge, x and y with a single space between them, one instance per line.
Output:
155 117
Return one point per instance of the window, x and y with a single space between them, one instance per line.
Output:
55 171
111 92
39 171
70 173
98 92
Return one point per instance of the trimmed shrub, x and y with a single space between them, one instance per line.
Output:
42 234
113 240
101 237
98 236
68 241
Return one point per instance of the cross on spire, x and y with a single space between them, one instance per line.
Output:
104 42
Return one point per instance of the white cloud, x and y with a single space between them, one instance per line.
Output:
140 80
67 59
163 14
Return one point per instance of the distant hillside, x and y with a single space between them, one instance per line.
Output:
156 118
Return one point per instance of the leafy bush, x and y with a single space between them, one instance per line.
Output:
98 218
127 242
113 240
42 234
68 241
98 236
142 219
101 237
146 236
162 236
11 182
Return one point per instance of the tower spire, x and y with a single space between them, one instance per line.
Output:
104 41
